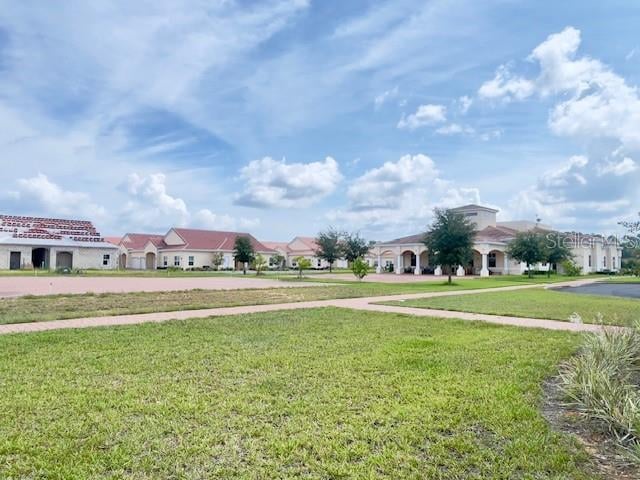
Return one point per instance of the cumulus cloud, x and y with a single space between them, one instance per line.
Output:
506 86
596 102
276 183
464 103
579 189
40 195
207 219
149 200
429 114
400 196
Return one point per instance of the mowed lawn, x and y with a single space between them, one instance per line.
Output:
538 303
58 307
324 393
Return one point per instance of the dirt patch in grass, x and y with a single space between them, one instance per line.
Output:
606 455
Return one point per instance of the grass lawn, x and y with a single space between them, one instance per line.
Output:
537 303
59 307
323 393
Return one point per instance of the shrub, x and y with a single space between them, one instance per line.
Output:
360 268
571 269
601 382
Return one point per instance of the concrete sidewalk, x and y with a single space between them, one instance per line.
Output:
365 303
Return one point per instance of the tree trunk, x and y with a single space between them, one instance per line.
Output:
244 268
449 276
530 273
330 266
549 270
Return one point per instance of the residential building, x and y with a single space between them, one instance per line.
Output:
593 253
305 247
52 243
184 248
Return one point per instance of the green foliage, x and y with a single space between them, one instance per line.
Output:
602 383
243 252
556 251
632 227
527 247
571 269
217 259
302 264
277 261
329 246
259 263
360 268
450 239
354 246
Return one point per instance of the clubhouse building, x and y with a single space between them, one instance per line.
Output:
593 253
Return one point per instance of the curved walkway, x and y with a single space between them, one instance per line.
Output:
366 303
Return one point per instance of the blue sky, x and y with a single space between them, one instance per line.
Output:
281 117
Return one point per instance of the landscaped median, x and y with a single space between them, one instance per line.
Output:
326 393
60 307
536 303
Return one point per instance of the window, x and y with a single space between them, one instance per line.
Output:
589 260
492 259
105 259
165 260
613 263
176 261
191 260
319 263
471 214
604 261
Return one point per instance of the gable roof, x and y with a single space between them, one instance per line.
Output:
283 246
417 238
214 240
309 242
137 241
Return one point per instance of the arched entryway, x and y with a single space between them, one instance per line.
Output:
64 260
122 262
150 261
40 258
408 261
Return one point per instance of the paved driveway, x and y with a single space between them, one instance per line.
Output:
388 277
19 286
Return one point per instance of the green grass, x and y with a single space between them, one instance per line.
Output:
537 303
316 394
60 307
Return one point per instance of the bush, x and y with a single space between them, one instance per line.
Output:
360 268
602 383
571 269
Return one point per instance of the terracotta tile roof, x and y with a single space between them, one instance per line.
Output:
42 228
113 240
310 243
417 238
215 240
495 234
137 241
282 246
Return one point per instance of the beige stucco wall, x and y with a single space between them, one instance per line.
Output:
83 258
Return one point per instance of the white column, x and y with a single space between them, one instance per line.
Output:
505 270
417 270
379 267
438 271
398 267
460 271
485 271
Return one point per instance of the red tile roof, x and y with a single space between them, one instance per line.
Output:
42 228
137 241
214 240
113 240
283 246
310 243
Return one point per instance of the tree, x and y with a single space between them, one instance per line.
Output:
556 251
259 263
243 252
354 246
632 227
450 239
527 247
329 246
360 268
302 264
278 260
217 259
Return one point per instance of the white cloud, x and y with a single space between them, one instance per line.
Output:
150 201
623 167
207 219
600 103
429 114
506 86
40 195
273 183
464 103
385 96
400 196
